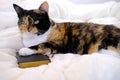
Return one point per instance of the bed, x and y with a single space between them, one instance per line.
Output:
102 65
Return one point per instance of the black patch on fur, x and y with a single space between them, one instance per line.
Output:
19 10
34 47
110 39
43 19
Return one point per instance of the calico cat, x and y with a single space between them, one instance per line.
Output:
67 37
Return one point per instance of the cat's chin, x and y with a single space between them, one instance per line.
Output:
31 39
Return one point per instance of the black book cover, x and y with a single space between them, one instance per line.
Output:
32 60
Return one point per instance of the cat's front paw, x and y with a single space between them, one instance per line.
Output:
26 51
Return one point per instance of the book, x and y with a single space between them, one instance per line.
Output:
32 60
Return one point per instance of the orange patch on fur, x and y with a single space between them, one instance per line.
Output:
36 11
93 47
57 32
25 25
112 48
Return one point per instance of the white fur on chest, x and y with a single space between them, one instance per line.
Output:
30 39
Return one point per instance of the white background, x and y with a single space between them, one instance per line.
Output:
90 1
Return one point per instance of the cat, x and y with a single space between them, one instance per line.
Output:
65 37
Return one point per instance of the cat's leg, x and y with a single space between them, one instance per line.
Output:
32 50
42 49
46 48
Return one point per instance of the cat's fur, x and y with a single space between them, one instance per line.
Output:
81 38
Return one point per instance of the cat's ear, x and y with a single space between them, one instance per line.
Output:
44 6
19 10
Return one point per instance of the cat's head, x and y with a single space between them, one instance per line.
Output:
35 21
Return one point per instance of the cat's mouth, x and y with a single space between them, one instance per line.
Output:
40 32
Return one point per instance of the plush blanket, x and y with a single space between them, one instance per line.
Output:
102 65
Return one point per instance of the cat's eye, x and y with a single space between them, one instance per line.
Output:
36 22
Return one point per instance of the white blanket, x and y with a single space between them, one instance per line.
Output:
103 65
